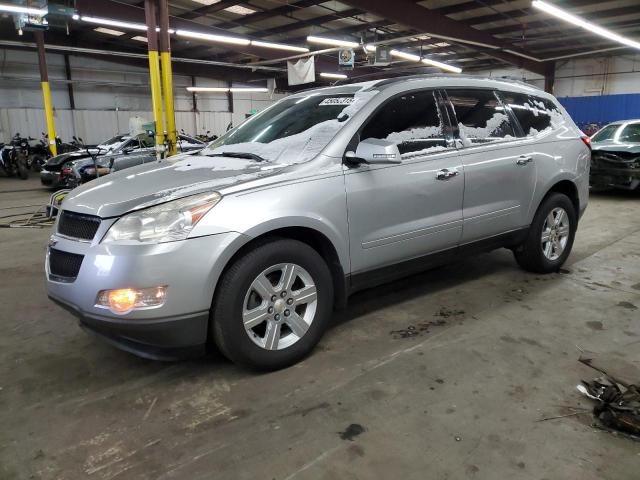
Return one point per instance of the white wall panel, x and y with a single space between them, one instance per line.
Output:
106 97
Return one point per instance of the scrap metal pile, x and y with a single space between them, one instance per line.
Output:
616 393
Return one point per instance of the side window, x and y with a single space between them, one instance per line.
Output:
481 117
412 121
534 114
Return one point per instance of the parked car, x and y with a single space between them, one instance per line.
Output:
85 170
615 161
251 243
59 172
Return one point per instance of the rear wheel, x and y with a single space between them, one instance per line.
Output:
272 305
23 169
550 236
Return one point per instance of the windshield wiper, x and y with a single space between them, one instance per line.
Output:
248 155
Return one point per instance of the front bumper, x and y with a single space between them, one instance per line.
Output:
189 268
625 178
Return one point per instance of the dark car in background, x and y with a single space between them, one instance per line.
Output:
615 158
58 171
85 170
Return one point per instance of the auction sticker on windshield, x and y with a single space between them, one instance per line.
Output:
337 101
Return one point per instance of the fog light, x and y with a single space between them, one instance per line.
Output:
123 300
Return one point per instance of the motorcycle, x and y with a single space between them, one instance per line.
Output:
13 161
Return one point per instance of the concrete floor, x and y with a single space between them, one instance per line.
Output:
495 353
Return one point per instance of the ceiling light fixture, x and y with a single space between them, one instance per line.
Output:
337 76
213 38
579 22
208 89
278 46
114 23
227 90
249 89
405 56
239 10
140 39
332 41
20 9
109 31
443 66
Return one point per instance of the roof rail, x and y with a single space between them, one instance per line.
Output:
391 81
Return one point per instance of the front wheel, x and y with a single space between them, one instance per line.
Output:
550 236
272 305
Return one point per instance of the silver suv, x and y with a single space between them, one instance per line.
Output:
251 243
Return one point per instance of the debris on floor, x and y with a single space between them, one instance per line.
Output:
441 317
616 392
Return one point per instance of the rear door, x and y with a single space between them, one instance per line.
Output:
500 170
403 211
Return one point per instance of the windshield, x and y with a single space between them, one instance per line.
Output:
113 140
617 133
293 130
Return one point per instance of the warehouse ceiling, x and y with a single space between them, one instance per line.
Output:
470 34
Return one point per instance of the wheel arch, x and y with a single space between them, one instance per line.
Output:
316 239
568 188
565 186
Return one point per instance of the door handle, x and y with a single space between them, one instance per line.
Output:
524 159
446 174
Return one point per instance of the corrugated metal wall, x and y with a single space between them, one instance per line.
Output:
108 95
602 109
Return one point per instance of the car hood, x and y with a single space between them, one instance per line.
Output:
64 157
165 180
616 147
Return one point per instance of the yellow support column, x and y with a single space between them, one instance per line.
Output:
167 77
154 70
46 93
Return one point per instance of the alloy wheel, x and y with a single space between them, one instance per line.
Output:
279 306
555 233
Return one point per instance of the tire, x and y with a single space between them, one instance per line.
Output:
37 162
23 170
538 256
299 325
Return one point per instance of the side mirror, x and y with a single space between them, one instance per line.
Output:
374 151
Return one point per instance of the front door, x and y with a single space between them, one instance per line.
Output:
402 211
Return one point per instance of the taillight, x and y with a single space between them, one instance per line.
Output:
587 141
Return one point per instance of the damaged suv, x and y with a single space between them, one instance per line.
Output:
615 162
252 242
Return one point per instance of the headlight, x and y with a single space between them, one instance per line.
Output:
167 222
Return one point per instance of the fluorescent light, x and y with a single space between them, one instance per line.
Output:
278 46
338 76
207 2
443 66
239 10
332 41
405 56
593 28
114 23
213 38
208 89
226 90
140 39
249 89
108 31
20 9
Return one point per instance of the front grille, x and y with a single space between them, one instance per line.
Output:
64 264
78 225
